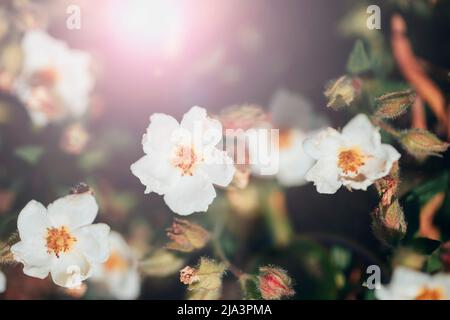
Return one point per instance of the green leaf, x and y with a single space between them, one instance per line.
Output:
359 61
424 246
30 154
250 287
433 263
161 263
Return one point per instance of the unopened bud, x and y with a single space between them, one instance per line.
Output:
188 275
393 105
274 283
342 92
421 143
388 186
81 188
389 223
186 236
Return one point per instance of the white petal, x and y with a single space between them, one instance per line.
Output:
360 131
325 175
159 133
156 173
70 270
93 242
73 211
219 167
126 287
323 144
191 194
36 272
2 282
380 163
33 221
205 131
294 163
32 252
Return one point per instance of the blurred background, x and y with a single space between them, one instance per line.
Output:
166 56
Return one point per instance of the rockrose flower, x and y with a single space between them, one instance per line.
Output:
2 282
56 81
408 284
354 158
61 240
182 161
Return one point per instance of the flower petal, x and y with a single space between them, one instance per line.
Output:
33 254
156 173
33 221
218 167
127 286
205 131
159 133
2 282
191 194
325 175
322 144
70 270
73 211
360 131
93 241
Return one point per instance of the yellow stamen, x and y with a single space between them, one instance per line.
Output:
430 294
351 160
59 240
116 262
185 159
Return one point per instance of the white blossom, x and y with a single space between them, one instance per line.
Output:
354 158
61 239
408 284
55 81
182 161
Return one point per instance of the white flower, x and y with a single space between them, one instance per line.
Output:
355 158
295 117
61 239
182 161
119 274
287 160
56 81
408 284
2 282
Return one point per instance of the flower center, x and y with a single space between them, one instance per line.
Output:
285 139
116 262
350 160
46 77
185 159
430 294
59 240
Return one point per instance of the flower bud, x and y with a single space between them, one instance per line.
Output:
387 186
188 275
393 105
342 92
274 283
186 236
206 283
421 143
389 223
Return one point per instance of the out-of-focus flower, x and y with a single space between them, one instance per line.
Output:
61 239
182 161
421 143
342 92
274 283
75 292
119 274
208 280
188 275
408 284
295 117
75 138
2 282
187 236
355 158
6 81
244 117
56 81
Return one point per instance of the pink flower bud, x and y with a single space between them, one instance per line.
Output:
274 283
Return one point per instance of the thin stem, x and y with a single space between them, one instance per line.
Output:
386 127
